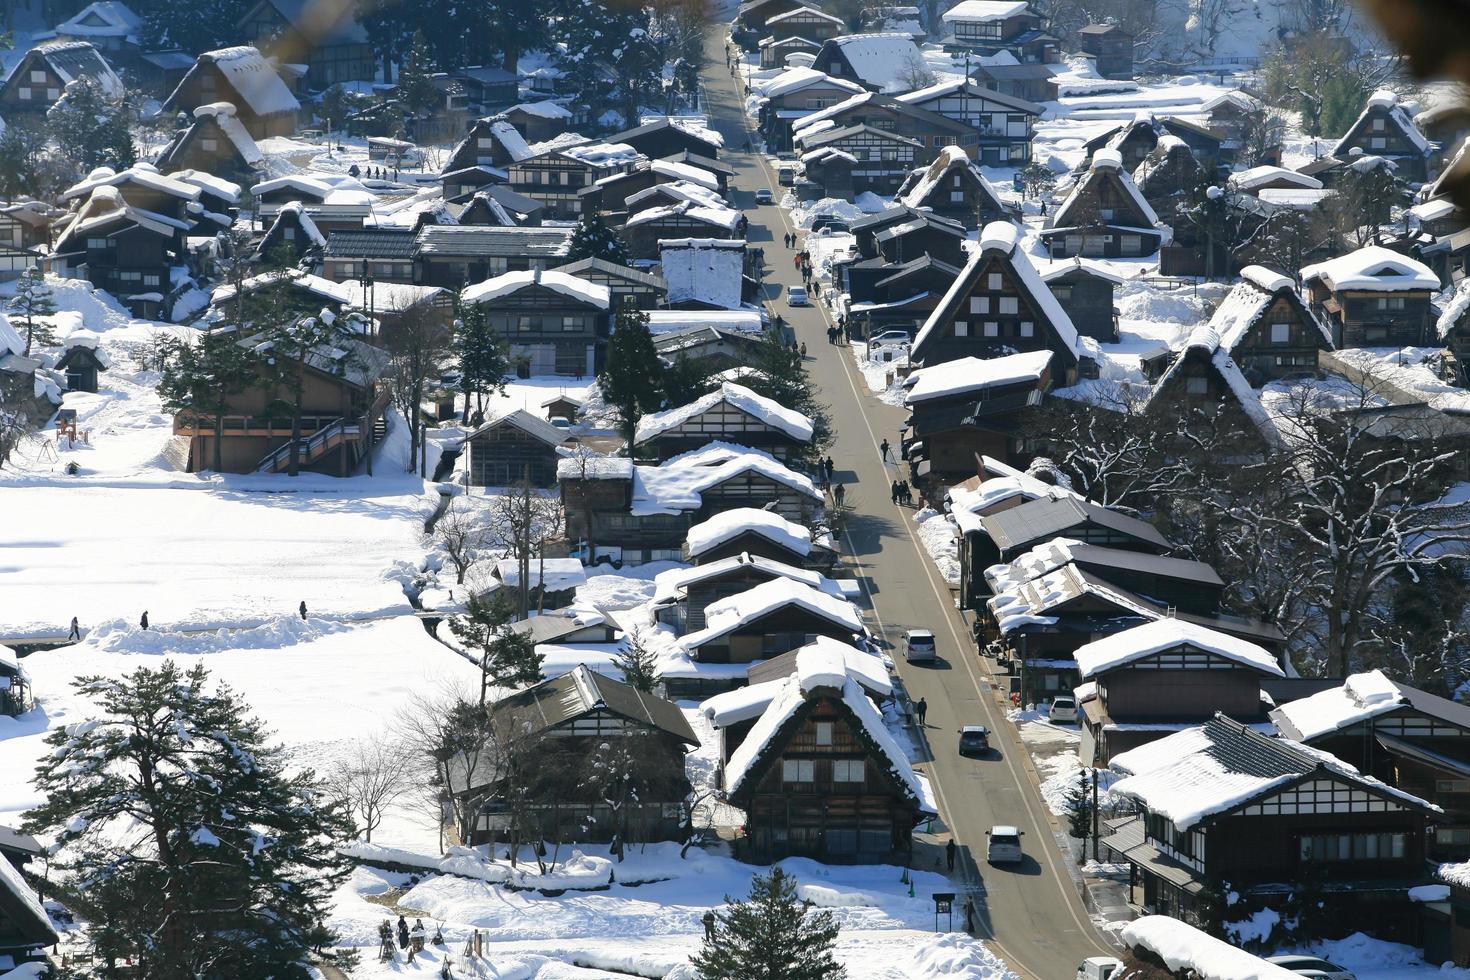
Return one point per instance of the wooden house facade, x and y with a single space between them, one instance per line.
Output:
953 187
629 288
807 23
559 726
38 80
731 413
999 305
1111 48
989 28
794 95
1084 289
879 160
1373 297
554 323
1002 124
1384 129
776 51
330 42
215 143
1105 215
820 782
665 136
452 255
244 78
1313 822
933 130
515 448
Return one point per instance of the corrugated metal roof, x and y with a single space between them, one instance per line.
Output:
493 241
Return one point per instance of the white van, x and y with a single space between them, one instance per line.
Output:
918 647
1005 844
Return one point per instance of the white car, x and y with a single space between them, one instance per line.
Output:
888 338
1005 844
796 296
1311 966
1063 708
919 647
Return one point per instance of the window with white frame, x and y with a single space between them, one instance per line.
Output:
1280 333
824 733
798 771
956 197
992 329
1028 329
38 75
1009 305
996 281
979 304
25 94
1378 125
1379 143
961 328
848 771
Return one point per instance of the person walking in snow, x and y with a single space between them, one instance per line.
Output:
949 853
709 924
143 623
402 933
905 492
839 494
884 447
921 710
803 350
76 632
970 914
302 609
831 468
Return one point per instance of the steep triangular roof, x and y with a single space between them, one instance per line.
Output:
1385 104
951 161
1107 168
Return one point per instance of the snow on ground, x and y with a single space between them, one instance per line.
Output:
621 589
651 929
1373 959
316 685
201 558
938 536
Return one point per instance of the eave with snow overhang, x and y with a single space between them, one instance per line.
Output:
999 305
762 622
680 595
1384 129
244 77
953 186
875 61
968 407
1373 297
849 785
753 532
1105 215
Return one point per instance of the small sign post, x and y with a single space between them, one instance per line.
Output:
944 905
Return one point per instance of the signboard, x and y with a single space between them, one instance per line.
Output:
1018 184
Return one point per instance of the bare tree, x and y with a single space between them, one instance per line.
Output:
462 535
525 522
915 72
371 777
454 748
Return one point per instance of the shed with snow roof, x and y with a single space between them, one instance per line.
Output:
681 595
25 928
82 361
1163 676
1223 805
968 407
513 448
245 78
756 533
1373 297
999 305
820 776
731 413
293 233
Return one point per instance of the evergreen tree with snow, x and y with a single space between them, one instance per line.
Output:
593 239
508 658
638 663
631 382
781 376
285 349
1079 806
771 935
180 835
32 299
90 129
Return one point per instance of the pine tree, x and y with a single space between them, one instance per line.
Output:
781 377
90 129
638 663
1038 179
1079 806
771 935
32 299
508 658
415 90
632 381
483 357
180 834
199 380
593 239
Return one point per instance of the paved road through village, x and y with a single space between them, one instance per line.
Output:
1031 915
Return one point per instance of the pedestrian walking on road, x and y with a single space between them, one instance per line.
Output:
709 924
839 494
893 491
302 609
921 708
143 623
905 492
803 350
831 468
970 914
949 852
884 447
796 262
76 632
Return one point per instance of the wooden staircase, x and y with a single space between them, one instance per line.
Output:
312 448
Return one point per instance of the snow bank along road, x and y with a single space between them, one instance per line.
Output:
1031 915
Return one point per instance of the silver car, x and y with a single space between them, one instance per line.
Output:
1004 846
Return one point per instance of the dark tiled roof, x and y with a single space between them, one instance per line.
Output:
611 270
583 691
492 241
703 162
1046 517
370 245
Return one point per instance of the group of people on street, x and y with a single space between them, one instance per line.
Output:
902 493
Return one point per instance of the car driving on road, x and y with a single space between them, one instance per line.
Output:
764 196
1005 844
974 740
796 296
919 647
